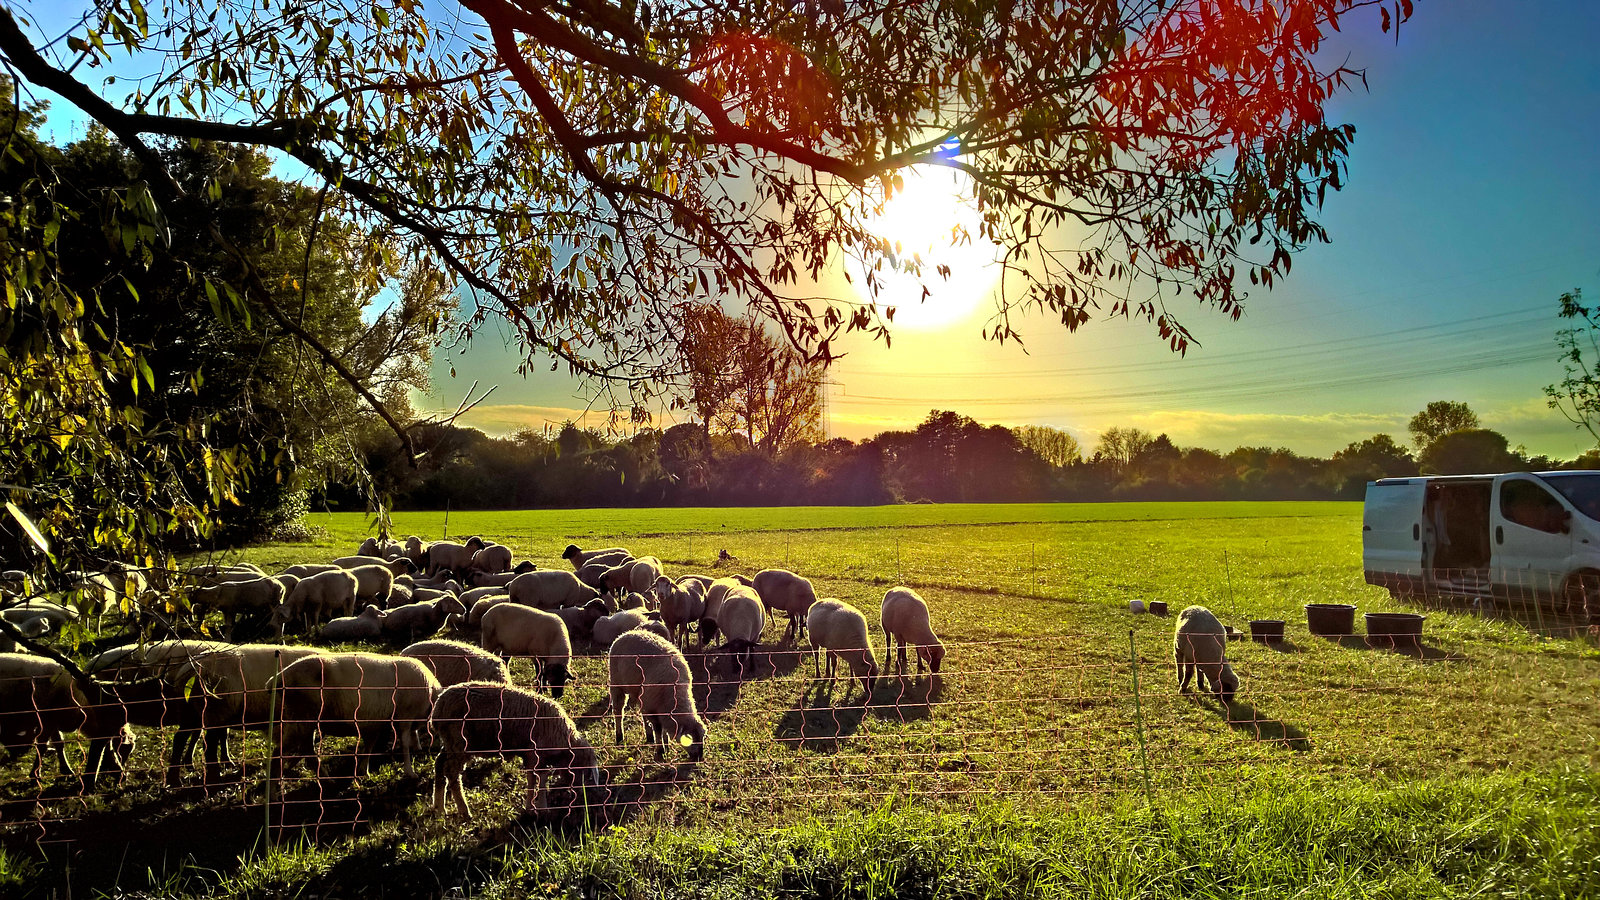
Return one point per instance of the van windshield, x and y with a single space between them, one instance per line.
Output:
1582 490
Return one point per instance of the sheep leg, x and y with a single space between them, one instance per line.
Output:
408 740
619 699
900 666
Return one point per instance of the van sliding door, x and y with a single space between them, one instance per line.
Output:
1532 540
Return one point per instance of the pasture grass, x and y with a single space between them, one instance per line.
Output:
1033 739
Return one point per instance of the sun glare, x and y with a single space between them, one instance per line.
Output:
934 218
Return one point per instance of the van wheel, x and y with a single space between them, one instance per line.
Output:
1583 596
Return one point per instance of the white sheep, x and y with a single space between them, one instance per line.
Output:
480 579
474 616
840 630
904 617
550 589
373 584
491 559
416 621
316 599
642 574
784 591
741 619
593 574
416 550
648 668
374 697
369 547
608 628
449 556
398 566
39 703
34 608
231 688
235 598
511 629
453 662
490 719
33 627
1200 643
682 602
306 570
147 685
632 600
581 558
366 625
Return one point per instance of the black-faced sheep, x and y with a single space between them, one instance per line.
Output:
840 631
649 669
682 602
490 719
581 558
511 629
1199 642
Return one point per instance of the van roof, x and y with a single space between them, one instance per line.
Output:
1419 479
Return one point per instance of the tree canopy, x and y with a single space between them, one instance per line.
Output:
592 170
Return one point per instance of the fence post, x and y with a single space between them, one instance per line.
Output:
272 745
1138 716
446 533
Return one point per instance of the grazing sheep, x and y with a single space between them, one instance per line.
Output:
841 630
657 628
369 547
306 570
632 600
682 602
510 629
741 620
218 568
642 574
316 599
581 619
905 618
449 556
453 662
39 704
259 594
648 668
474 616
377 698
366 625
416 621
783 590
550 589
608 628
56 614
716 592
1200 643
232 688
489 719
480 579
146 685
594 573
491 559
581 558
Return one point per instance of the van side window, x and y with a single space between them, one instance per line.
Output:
1528 504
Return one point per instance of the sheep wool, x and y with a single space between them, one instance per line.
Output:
905 620
495 719
649 669
369 695
514 630
1200 643
455 662
839 630
784 591
550 589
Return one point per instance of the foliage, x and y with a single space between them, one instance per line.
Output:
1469 452
592 172
1054 446
1119 447
1578 395
1440 418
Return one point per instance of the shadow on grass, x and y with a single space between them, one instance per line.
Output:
1283 646
815 723
1259 726
1557 620
1414 649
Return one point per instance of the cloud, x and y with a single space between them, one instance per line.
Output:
504 419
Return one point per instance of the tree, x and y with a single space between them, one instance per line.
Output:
1119 447
1439 418
1054 446
588 171
1363 461
1473 451
1578 395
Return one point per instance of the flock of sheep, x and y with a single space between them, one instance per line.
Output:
457 691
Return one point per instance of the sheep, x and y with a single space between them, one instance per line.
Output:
452 557
581 558
642 574
415 621
260 594
716 593
905 617
418 595
158 696
39 703
1200 643
56 614
841 630
474 616
373 584
479 579
306 570
416 550
398 566
513 630
682 602
549 589
657 628
369 547
593 574
609 628
366 625
581 619
489 719
232 688
316 597
631 600
473 595
210 570
783 590
741 620
31 628
492 559
648 668
401 594
453 662
377 698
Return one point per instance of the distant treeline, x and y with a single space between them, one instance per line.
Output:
947 458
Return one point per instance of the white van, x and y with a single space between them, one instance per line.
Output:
1522 536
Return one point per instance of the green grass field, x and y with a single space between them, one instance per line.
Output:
1034 740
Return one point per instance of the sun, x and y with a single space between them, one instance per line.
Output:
934 218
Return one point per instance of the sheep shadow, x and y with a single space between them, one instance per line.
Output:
904 700
1413 648
622 801
814 723
1263 728
1282 646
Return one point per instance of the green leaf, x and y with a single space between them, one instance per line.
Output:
28 527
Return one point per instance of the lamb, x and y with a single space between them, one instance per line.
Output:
1200 643
841 630
366 625
374 697
647 667
905 617
581 558
783 590
232 689
260 594
492 559
415 621
489 719
306 570
316 597
741 620
479 579
453 662
607 629
581 619
416 550
681 603
549 589
56 614
513 630
448 556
